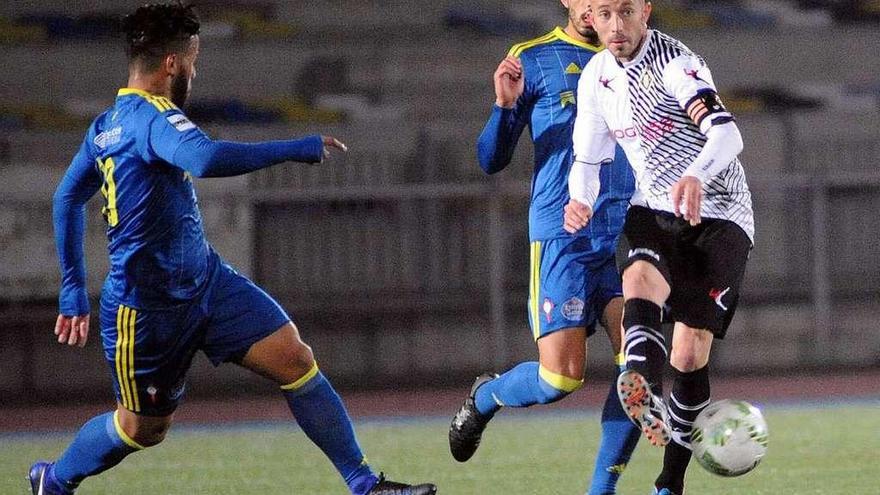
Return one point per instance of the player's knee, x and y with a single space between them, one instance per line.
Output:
568 366
299 357
554 387
149 435
691 350
641 279
687 362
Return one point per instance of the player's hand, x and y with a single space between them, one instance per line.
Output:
331 143
687 199
72 330
577 216
509 82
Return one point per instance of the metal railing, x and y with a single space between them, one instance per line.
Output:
377 241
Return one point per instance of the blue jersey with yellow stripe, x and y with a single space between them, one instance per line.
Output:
552 65
157 246
142 154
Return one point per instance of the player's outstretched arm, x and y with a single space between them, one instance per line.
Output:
184 145
207 158
508 119
80 182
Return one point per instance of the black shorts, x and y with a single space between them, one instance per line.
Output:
704 265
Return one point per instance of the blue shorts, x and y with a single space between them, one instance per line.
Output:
149 351
572 280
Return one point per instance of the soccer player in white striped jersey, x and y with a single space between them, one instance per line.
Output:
690 226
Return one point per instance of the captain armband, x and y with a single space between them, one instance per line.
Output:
707 105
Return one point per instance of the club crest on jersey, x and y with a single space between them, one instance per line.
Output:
647 79
573 309
547 308
572 69
566 98
180 122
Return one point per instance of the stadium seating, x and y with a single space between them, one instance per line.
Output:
394 235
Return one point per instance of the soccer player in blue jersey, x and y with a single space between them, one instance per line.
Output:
168 293
574 281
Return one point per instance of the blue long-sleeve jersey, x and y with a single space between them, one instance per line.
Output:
142 154
552 65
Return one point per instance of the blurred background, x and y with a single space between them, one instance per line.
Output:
403 265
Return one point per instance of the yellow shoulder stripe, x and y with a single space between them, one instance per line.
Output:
560 33
160 102
517 49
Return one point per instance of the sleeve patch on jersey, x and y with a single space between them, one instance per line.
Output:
180 122
108 138
704 104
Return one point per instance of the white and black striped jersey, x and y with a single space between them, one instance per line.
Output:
642 105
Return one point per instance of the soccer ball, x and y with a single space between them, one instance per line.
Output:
729 437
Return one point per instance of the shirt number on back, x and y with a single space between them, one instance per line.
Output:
108 190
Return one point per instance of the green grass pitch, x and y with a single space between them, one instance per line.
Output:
825 450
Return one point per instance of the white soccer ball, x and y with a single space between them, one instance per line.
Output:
729 437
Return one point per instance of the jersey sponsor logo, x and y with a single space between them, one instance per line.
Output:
606 83
572 69
653 131
180 122
573 309
643 251
566 98
717 295
547 308
108 138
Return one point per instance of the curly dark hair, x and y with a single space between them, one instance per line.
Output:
156 30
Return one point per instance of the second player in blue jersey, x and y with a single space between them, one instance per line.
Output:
573 281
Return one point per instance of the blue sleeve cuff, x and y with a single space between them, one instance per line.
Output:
503 112
497 141
309 149
73 301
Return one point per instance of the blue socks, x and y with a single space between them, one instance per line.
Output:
619 439
322 416
524 385
99 445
